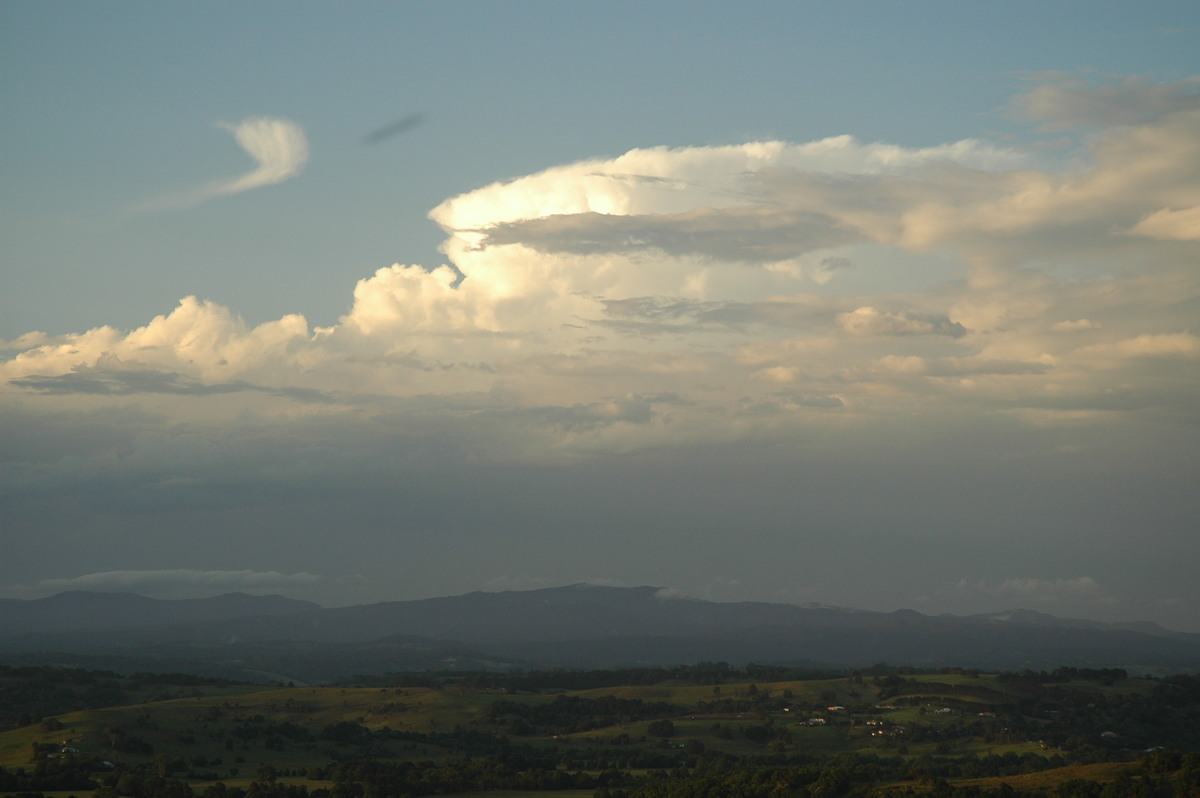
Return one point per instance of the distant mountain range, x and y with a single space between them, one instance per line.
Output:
579 626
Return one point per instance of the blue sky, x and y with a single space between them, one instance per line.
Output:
900 289
110 106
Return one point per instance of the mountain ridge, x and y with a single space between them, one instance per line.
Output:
578 626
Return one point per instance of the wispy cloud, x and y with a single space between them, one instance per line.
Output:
278 145
168 583
279 148
1061 101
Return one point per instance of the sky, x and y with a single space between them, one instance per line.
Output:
868 304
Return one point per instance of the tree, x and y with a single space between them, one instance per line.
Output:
660 728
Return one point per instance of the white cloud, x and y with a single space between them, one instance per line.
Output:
278 147
1170 225
200 338
1170 345
1081 588
717 275
169 583
1076 325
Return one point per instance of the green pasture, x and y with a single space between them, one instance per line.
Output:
197 730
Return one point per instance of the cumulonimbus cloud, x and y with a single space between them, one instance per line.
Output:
278 146
696 271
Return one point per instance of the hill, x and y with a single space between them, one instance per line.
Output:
709 729
579 626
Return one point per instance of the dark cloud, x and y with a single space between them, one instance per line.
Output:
401 125
789 402
414 500
594 415
870 321
656 314
749 233
87 380
655 308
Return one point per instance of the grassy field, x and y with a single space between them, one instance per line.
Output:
236 734
213 725
1049 779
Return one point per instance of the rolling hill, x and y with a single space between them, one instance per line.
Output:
578 626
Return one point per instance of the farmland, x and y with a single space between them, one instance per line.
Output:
640 732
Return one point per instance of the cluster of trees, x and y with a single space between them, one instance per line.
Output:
30 693
1073 710
1105 676
1168 717
537 681
33 692
508 771
63 774
1163 774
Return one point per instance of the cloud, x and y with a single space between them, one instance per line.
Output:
394 128
1062 101
1170 225
747 234
661 365
716 274
1076 325
278 147
110 377
870 321
766 204
1032 592
1081 588
631 410
169 583
199 339
1149 345
736 343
